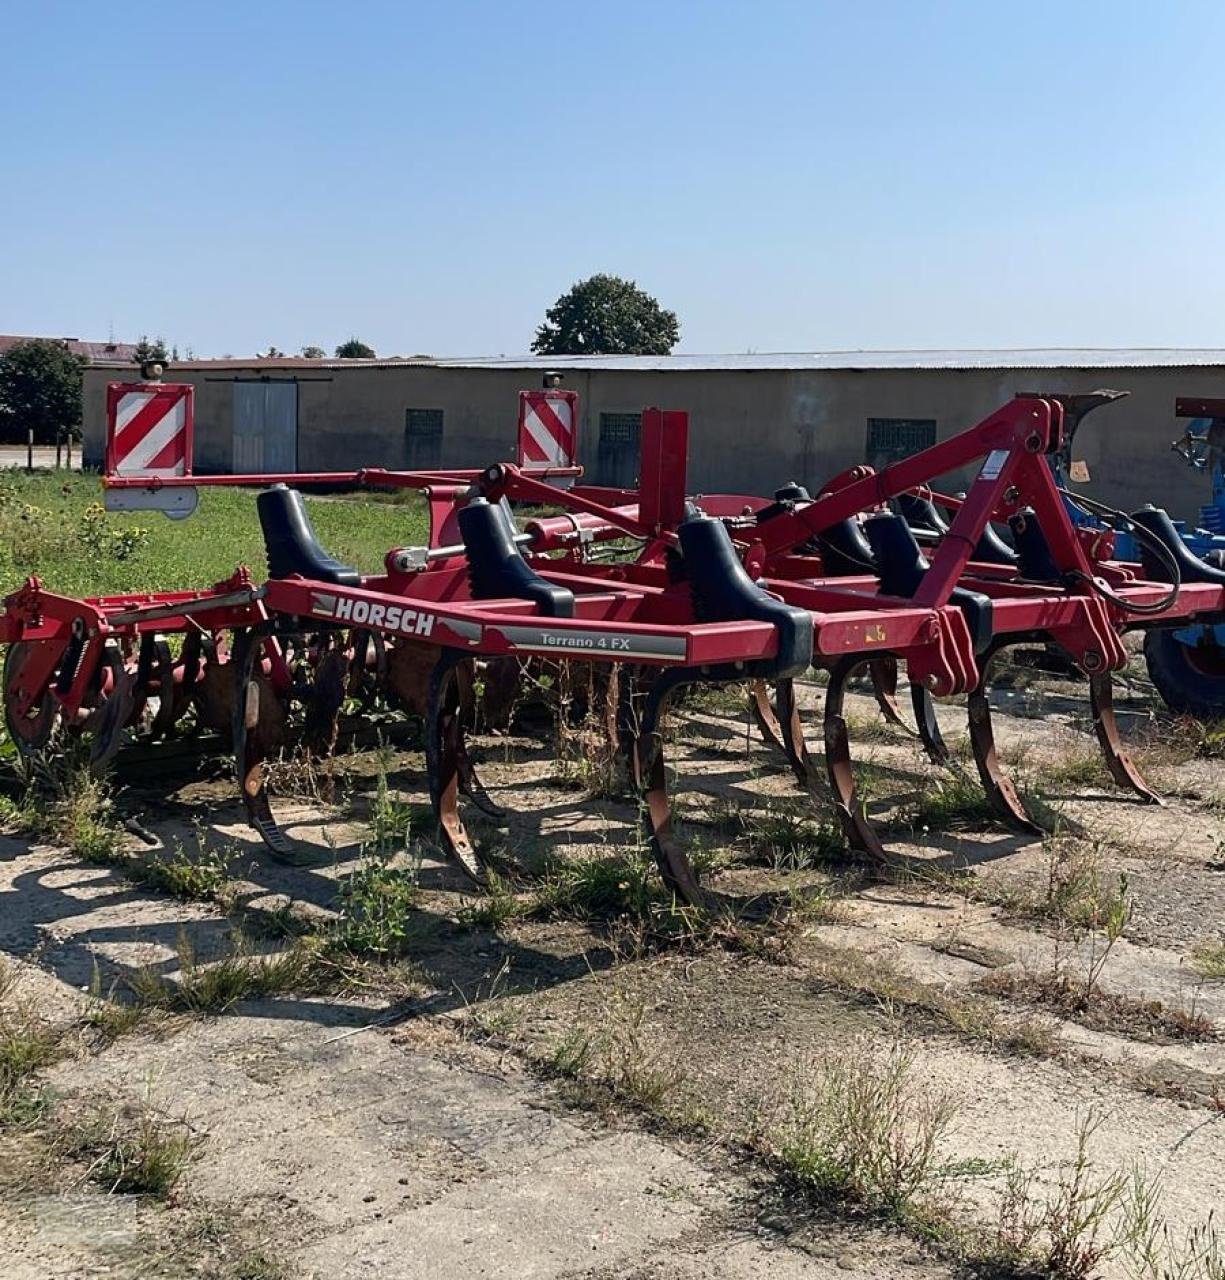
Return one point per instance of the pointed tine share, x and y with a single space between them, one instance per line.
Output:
929 726
257 722
858 830
795 747
1001 793
1122 767
651 770
444 752
884 686
764 715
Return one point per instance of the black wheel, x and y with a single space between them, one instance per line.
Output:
1190 678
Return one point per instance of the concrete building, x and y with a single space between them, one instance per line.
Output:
756 421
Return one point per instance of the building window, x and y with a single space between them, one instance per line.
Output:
423 422
423 439
891 439
617 454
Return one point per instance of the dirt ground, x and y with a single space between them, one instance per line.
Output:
581 1092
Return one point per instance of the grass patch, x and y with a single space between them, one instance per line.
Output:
27 1044
215 985
50 525
783 837
952 803
501 904
1076 766
1087 1004
619 1061
1208 960
857 1129
141 1153
66 803
204 878
875 980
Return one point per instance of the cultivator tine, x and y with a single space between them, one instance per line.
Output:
470 784
444 754
256 713
792 730
884 686
1122 767
764 715
651 771
1001 793
929 726
859 832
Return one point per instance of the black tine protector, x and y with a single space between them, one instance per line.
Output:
496 570
903 565
290 541
1190 567
724 592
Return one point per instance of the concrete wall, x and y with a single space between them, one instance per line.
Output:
750 430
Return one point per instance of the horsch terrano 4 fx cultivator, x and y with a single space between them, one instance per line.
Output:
718 589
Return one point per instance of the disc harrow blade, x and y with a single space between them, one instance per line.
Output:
32 731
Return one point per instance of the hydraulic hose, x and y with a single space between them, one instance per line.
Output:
1091 507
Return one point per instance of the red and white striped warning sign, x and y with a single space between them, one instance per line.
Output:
548 429
148 429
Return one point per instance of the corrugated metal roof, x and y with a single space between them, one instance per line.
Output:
812 361
817 361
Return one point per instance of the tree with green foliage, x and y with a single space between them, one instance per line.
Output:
40 388
154 349
313 353
606 315
354 349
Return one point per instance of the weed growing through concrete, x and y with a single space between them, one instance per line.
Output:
855 1127
203 878
951 803
378 905
215 985
874 978
619 1061
27 1044
1208 959
1077 765
391 819
66 801
140 1153
111 1016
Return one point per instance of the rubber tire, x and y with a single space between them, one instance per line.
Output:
1183 688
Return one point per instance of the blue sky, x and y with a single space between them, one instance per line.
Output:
786 176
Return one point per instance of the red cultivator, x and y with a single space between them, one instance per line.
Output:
722 588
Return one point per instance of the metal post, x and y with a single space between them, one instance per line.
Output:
59 448
70 451
30 450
